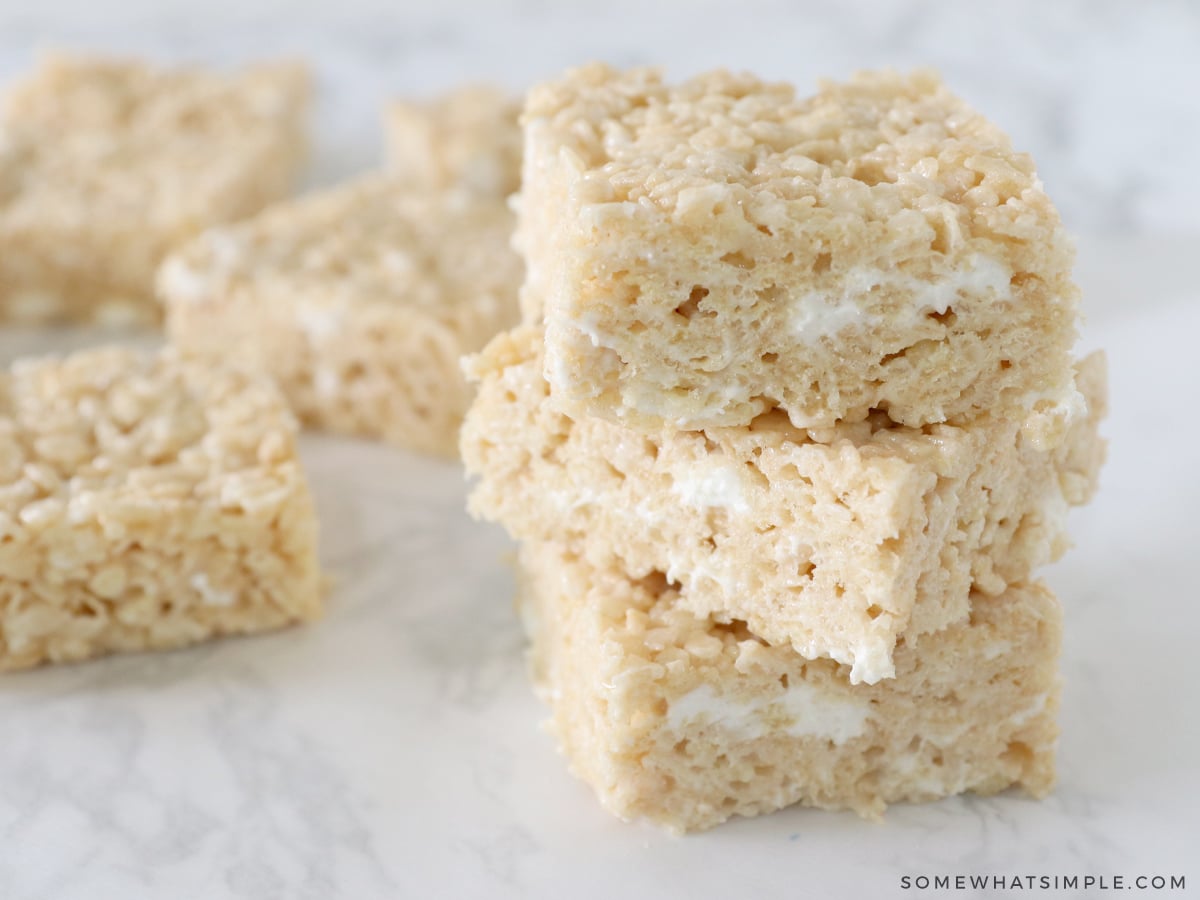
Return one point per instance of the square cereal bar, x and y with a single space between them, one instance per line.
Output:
686 722
468 138
146 503
359 300
712 250
838 542
105 165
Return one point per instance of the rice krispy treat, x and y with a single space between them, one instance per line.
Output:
838 542
146 503
359 301
686 722
712 250
467 137
105 165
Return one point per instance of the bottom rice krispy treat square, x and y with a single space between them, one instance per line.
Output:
359 300
146 503
685 722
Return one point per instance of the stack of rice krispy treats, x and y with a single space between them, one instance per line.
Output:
790 421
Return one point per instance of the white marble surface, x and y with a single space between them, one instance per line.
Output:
393 750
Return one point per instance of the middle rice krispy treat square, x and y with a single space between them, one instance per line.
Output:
686 722
359 300
838 542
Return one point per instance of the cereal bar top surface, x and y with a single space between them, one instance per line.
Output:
875 145
150 143
376 240
143 425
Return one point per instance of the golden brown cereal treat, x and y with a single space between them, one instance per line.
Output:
106 165
838 541
465 138
146 503
711 250
359 300
687 722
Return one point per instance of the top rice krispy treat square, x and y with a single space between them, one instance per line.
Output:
707 251
107 164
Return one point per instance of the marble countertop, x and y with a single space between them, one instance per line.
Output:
394 749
